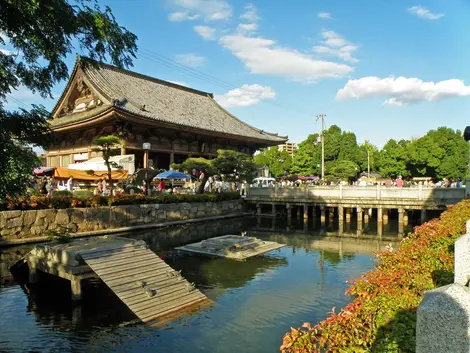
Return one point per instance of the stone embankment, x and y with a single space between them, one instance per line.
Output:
35 223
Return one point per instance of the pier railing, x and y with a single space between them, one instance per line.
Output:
444 195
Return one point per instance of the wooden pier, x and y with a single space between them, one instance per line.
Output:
143 281
234 247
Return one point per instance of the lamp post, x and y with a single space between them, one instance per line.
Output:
146 146
322 117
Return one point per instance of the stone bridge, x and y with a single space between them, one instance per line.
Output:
340 201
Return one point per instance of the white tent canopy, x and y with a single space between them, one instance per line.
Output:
127 162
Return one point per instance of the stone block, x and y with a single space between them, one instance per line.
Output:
14 223
462 258
12 214
29 218
161 215
62 217
443 323
77 215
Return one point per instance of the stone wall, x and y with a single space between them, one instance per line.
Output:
34 223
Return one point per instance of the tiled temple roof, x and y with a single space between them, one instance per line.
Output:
160 100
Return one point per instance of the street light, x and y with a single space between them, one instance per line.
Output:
322 117
146 146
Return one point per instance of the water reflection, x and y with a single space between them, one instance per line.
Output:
256 301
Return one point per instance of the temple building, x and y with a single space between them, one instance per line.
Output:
178 122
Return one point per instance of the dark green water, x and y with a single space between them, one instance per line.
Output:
255 302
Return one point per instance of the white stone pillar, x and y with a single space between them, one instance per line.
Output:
443 324
340 220
379 221
359 220
76 286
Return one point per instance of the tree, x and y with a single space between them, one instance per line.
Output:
278 162
107 145
232 164
41 34
367 156
393 159
307 158
441 153
344 170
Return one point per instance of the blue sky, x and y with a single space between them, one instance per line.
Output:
382 69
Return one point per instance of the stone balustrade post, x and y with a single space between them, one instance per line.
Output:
400 221
378 191
379 221
420 190
423 216
359 220
340 220
340 191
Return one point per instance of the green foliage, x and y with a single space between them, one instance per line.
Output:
232 164
278 162
307 158
393 159
60 234
344 170
108 145
382 314
68 201
42 34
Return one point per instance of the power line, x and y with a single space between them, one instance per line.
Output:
167 62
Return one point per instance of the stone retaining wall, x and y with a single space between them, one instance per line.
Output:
33 223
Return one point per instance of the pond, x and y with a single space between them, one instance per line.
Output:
255 302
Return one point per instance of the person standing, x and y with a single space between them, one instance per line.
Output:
161 186
99 187
70 184
50 188
399 182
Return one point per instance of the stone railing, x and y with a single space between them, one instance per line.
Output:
34 223
444 195
443 324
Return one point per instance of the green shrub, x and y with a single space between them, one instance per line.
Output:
382 314
67 200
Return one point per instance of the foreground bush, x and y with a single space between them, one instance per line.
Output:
68 201
382 314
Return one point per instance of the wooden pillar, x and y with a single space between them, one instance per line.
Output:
405 217
385 216
348 215
273 209
172 158
305 211
379 221
423 216
400 221
359 220
322 215
76 285
340 220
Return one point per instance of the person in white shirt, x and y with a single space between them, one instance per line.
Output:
70 184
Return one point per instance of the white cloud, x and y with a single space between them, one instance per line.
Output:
181 16
402 91
206 32
245 96
251 13
264 56
191 60
423 12
335 45
247 27
210 10
324 15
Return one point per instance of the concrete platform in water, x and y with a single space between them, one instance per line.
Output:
235 247
143 281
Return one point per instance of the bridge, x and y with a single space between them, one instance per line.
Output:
341 201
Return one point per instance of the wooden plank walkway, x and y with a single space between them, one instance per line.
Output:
144 282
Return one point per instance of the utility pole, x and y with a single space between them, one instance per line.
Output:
368 164
322 117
